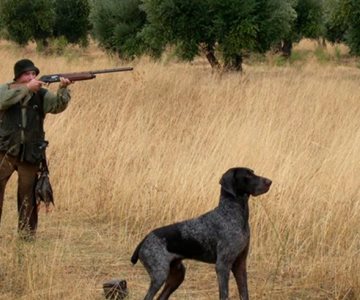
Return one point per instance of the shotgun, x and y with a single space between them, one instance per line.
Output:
78 76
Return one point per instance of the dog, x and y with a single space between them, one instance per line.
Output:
220 236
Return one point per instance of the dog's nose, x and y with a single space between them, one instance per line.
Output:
267 182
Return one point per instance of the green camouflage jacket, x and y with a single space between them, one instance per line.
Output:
22 115
53 103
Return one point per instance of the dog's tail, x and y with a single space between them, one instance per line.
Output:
135 256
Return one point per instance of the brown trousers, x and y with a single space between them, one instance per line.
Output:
27 210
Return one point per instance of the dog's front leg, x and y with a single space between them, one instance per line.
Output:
223 273
240 274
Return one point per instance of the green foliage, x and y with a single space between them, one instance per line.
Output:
184 24
343 23
275 18
27 20
235 27
321 55
337 53
116 25
2 25
57 45
308 23
42 20
1 18
358 65
336 20
353 33
72 20
299 56
280 61
229 27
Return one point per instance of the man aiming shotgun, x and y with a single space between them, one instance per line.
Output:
24 104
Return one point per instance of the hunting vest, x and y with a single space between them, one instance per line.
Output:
22 129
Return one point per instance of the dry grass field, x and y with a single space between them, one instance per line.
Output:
138 150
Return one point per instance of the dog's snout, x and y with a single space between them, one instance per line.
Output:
267 182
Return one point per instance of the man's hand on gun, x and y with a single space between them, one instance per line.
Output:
64 82
34 85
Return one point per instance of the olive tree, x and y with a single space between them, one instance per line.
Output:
26 21
72 20
225 29
116 25
309 23
342 23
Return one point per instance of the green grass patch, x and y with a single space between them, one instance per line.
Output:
322 55
299 56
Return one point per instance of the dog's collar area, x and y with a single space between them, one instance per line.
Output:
243 197
226 194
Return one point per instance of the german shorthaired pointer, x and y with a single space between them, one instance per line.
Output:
220 237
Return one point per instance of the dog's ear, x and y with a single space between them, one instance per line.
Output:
227 181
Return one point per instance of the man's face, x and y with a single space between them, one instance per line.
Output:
26 77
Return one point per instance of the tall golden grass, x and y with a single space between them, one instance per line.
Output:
138 150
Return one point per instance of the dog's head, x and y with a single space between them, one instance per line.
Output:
242 181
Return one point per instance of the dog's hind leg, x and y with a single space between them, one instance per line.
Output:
156 282
175 278
158 270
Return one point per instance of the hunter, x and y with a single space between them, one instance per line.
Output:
23 106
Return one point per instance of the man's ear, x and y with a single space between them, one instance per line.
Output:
227 181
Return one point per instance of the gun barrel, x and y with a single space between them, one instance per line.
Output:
123 69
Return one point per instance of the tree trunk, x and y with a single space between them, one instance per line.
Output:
210 55
277 47
234 63
286 48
